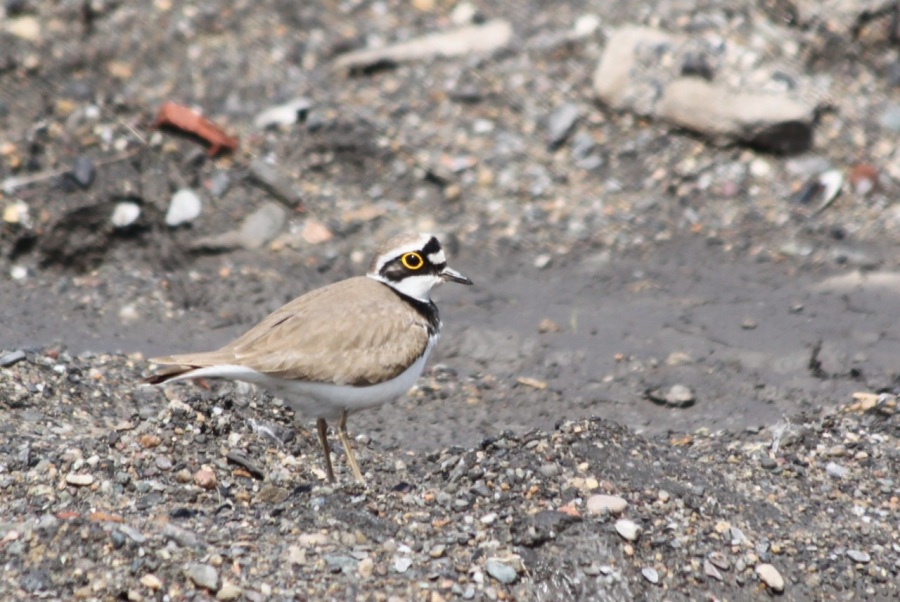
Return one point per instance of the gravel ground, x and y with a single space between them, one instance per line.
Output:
152 493
668 316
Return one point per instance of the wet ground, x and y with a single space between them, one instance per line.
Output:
753 340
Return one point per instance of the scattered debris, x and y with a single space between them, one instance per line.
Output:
483 38
188 120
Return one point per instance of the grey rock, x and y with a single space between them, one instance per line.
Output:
219 183
337 563
135 535
262 225
500 571
181 536
769 121
84 171
859 556
560 124
641 71
835 470
890 118
12 358
650 574
271 178
35 581
203 575
550 470
711 571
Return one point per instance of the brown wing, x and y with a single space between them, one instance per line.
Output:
351 332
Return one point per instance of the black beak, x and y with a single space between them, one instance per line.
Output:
450 275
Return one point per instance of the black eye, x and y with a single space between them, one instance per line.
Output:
412 261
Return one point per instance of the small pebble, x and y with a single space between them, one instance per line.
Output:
768 463
262 225
835 471
890 118
219 183
128 314
229 591
149 441
586 25
600 503
859 556
560 124
205 478
16 213
680 396
542 261
284 114
771 577
650 574
500 571
271 178
18 272
151 581
125 213
11 359
203 575
711 571
184 207
547 326
402 563
83 171
79 480
549 470
315 232
366 567
628 529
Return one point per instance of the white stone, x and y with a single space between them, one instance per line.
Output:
628 529
79 480
283 114
184 207
125 214
650 574
597 504
771 577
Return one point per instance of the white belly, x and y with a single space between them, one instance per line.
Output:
320 400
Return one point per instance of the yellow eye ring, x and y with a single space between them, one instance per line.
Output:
412 261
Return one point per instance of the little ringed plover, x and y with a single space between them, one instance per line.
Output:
348 346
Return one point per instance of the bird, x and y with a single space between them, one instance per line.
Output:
348 346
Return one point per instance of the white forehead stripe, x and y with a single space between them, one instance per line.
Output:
414 245
437 258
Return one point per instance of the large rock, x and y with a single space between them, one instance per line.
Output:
708 85
771 122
